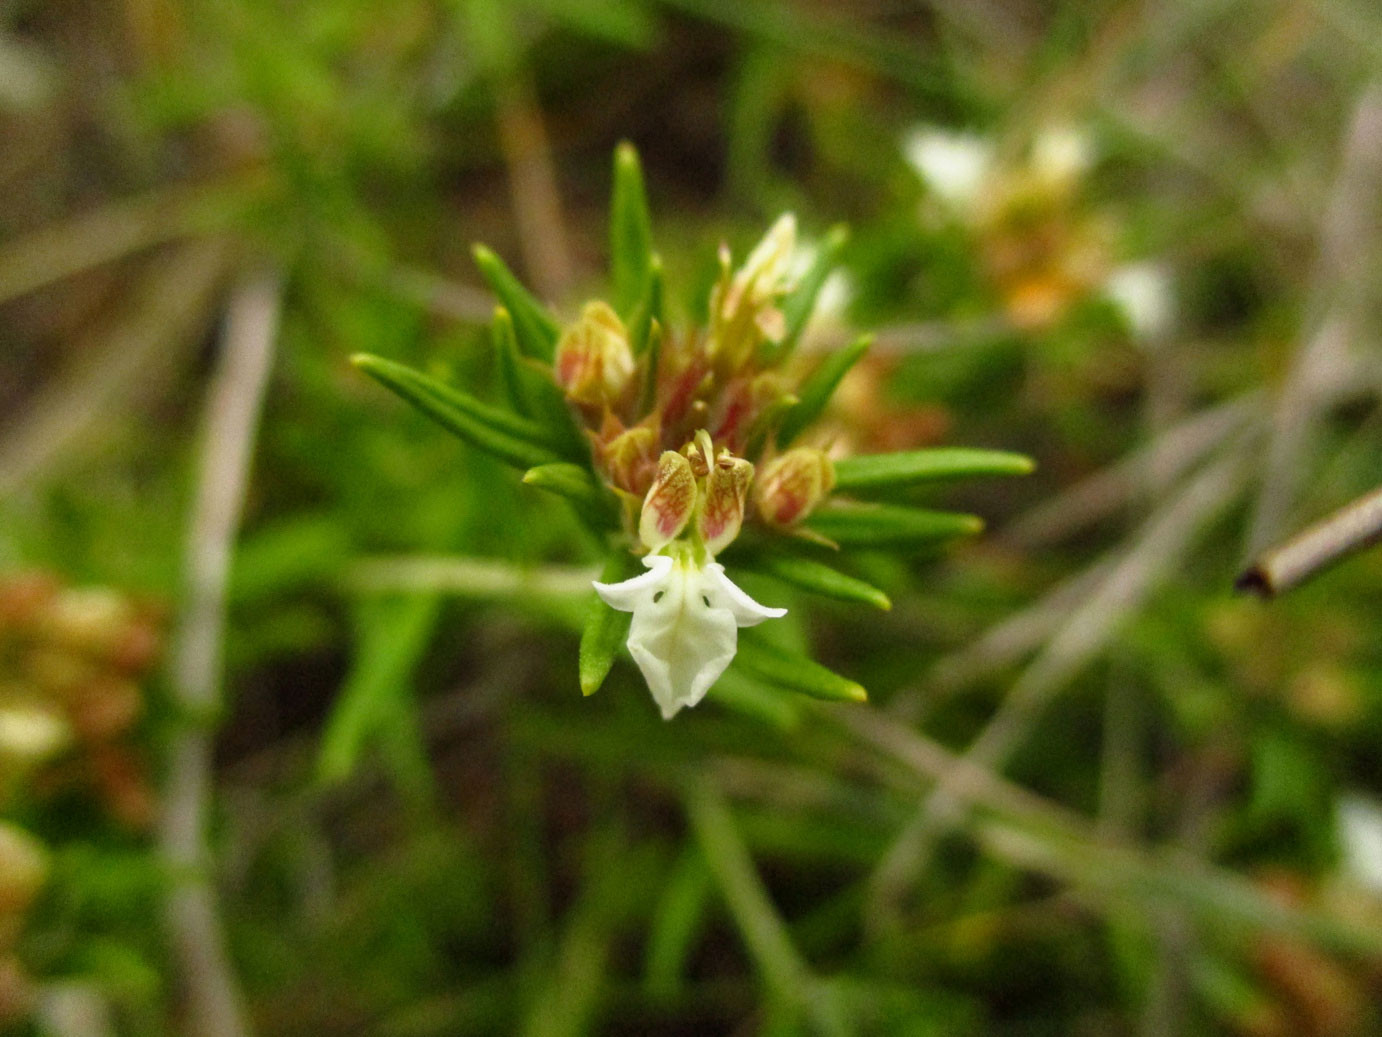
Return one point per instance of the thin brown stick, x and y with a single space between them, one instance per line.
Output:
1350 529
533 184
214 1006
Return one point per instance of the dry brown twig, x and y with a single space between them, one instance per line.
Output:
1352 528
235 398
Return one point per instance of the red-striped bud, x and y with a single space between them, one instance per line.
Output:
790 486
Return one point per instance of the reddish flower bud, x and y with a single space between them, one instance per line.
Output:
722 510
792 485
629 458
669 504
593 362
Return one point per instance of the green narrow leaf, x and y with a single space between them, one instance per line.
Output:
816 390
391 635
738 691
648 313
530 389
509 437
535 328
677 922
591 500
630 231
508 360
887 471
649 394
798 307
817 578
766 420
880 525
605 628
796 673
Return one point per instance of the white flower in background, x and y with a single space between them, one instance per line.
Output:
31 733
1360 838
1062 154
685 624
835 295
1142 291
686 611
954 165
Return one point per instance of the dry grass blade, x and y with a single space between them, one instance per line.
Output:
1340 299
214 1004
533 184
167 312
1172 453
119 229
1162 540
1027 831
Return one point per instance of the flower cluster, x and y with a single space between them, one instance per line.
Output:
672 441
1037 243
72 662
670 429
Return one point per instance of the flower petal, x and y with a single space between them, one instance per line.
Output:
680 642
626 595
954 165
670 503
725 594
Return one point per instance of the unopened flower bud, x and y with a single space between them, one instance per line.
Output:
763 276
791 486
629 458
722 511
669 504
744 306
593 362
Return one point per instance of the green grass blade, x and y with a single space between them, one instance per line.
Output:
891 471
505 435
882 525
819 386
508 360
391 635
536 329
677 923
591 500
630 232
647 314
818 578
530 390
796 673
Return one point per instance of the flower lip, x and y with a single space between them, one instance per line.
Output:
685 625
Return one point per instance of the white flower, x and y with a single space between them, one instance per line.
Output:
685 625
954 165
1143 292
1360 837
1062 154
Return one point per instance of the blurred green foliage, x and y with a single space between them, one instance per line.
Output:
420 825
